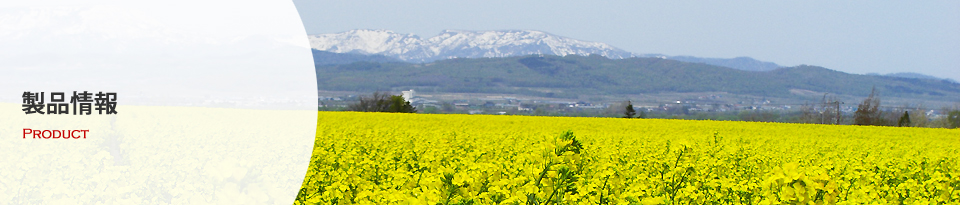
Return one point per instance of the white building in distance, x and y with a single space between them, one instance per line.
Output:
407 95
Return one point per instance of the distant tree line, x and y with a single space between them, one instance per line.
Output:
869 113
827 111
382 102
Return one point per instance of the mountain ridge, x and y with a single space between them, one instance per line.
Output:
459 44
911 75
572 76
488 44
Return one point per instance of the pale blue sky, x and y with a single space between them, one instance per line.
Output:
850 36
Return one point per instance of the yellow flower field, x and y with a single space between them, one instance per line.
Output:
385 158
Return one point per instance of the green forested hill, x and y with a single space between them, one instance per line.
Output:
570 76
330 58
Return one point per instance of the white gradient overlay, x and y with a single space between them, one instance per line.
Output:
216 102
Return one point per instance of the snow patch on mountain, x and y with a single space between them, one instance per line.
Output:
460 44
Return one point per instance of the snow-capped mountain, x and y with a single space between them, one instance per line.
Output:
459 44
489 44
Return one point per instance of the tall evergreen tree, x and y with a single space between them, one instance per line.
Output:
904 120
630 112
